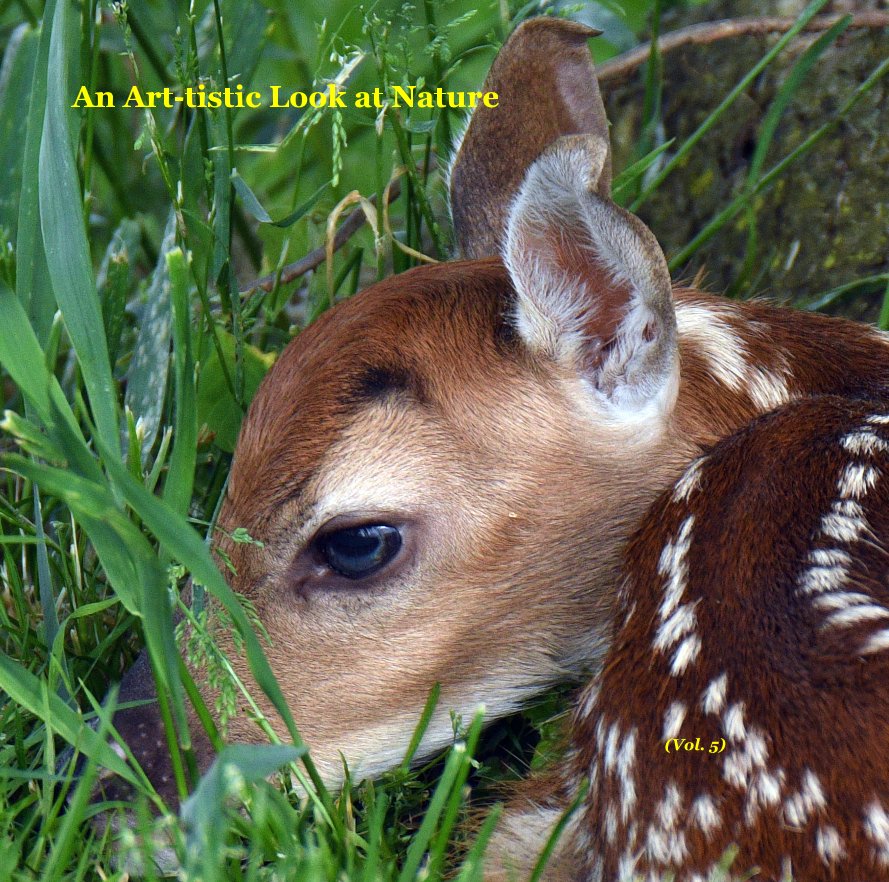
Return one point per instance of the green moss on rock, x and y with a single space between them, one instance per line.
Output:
826 222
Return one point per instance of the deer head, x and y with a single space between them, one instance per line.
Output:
410 462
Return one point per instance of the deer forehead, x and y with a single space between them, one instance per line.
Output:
398 458
416 377
411 338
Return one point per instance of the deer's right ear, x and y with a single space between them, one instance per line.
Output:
546 88
594 290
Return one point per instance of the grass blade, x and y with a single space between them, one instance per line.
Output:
64 237
32 275
805 16
180 479
449 787
27 690
147 375
16 78
883 321
473 867
557 833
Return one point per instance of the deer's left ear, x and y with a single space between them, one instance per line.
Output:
594 291
546 86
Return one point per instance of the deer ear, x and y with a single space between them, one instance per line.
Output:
594 291
546 88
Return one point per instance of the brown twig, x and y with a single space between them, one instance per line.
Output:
621 67
353 222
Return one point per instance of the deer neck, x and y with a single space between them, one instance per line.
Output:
740 360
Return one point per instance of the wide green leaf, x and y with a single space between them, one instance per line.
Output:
21 355
147 374
64 236
32 275
16 77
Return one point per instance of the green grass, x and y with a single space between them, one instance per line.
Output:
132 237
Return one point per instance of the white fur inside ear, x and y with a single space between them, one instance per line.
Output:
594 292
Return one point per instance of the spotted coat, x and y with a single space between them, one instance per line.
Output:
754 615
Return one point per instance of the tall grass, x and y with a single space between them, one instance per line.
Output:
131 342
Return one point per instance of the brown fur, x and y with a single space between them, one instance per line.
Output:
818 702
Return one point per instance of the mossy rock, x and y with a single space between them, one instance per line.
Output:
826 221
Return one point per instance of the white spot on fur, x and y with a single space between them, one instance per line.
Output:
680 623
819 580
876 825
876 643
830 557
764 790
879 419
594 776
675 623
829 844
864 443
689 482
611 824
600 734
673 566
767 390
611 747
705 814
626 757
809 799
626 867
688 651
738 766
856 615
668 809
840 600
588 705
733 722
726 357
845 522
856 480
673 720
713 697
665 847
715 340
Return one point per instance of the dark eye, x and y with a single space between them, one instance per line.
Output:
357 552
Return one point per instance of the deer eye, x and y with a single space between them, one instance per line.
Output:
358 552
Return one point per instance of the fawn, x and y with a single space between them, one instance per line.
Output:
542 461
